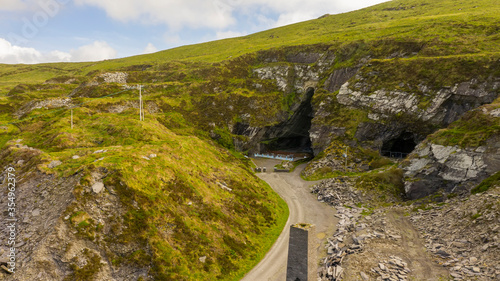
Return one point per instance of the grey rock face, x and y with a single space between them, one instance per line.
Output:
115 77
451 168
445 105
297 126
46 104
339 77
54 164
48 240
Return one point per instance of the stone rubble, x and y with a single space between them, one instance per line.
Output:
342 243
115 77
462 234
395 269
465 234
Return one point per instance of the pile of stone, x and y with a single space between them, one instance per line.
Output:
287 165
395 269
355 229
114 77
465 234
337 192
343 243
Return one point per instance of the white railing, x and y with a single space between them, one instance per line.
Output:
277 156
274 156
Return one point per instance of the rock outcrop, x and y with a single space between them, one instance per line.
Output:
46 104
456 168
440 107
450 168
292 132
55 236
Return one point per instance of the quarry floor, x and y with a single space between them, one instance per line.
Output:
401 239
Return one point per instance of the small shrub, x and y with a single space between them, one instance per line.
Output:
475 216
88 271
487 183
380 162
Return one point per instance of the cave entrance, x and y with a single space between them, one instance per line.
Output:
399 147
291 144
293 135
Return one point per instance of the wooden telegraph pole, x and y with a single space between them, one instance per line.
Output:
141 106
345 155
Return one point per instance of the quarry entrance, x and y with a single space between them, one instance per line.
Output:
292 136
400 146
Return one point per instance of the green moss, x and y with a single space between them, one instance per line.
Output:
487 184
367 212
88 271
389 180
472 130
476 216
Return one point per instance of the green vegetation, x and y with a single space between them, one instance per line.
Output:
359 161
88 271
472 130
475 216
432 29
486 184
390 181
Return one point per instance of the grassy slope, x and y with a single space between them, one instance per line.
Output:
184 212
445 29
448 27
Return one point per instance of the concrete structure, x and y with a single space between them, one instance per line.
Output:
302 263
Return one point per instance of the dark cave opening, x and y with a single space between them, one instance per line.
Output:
294 135
399 147
291 144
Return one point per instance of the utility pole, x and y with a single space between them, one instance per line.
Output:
141 116
345 155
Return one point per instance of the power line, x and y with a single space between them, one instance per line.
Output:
62 109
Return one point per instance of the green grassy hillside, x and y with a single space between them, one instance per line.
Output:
195 94
448 27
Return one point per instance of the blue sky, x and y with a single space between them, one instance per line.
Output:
34 31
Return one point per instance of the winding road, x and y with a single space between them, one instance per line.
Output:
304 208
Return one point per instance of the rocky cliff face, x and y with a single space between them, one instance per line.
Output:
364 105
472 155
57 234
290 133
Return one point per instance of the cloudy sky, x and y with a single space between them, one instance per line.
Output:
34 31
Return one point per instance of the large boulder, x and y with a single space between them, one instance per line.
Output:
458 158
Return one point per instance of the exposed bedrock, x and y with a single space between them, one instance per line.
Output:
292 134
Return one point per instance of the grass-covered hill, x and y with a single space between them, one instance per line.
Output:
188 205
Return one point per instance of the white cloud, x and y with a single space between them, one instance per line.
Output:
186 22
150 48
16 54
174 13
99 50
221 14
12 5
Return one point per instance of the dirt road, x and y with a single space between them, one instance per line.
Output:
304 208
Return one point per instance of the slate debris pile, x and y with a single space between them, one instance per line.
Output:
465 234
337 192
340 245
395 269
461 233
